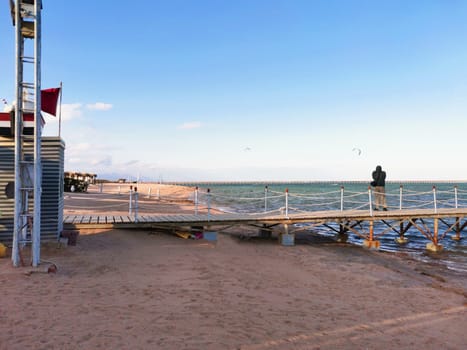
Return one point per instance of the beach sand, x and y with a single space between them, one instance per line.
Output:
132 289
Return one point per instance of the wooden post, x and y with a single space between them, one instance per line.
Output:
457 236
434 246
342 237
401 239
371 242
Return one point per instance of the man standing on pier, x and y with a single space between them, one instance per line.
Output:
379 183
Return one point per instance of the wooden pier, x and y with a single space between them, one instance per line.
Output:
433 224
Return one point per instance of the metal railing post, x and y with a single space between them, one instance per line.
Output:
455 197
342 198
209 204
265 198
434 199
136 204
196 200
400 197
369 200
130 208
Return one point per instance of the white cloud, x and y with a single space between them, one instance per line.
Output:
190 125
103 161
71 111
99 106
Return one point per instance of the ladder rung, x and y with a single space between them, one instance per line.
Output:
27 85
27 188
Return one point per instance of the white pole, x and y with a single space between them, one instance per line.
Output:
60 112
36 227
455 196
130 210
149 193
265 198
286 202
342 198
400 197
369 200
209 204
119 189
136 204
196 200
434 199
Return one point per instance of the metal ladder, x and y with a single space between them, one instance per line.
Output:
27 20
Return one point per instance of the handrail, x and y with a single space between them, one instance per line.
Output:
270 201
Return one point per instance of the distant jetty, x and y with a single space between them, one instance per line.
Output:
327 182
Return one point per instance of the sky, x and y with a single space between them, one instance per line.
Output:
255 90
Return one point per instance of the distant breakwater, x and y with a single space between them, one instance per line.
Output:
324 182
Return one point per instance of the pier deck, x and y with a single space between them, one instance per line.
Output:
360 222
335 216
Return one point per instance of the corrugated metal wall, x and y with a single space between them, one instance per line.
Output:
53 156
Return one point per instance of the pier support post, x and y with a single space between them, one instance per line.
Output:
371 243
265 232
286 238
342 237
401 239
434 246
457 236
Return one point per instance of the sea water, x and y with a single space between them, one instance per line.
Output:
321 196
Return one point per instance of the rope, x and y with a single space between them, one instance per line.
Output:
251 202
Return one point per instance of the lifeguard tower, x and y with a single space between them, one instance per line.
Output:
31 176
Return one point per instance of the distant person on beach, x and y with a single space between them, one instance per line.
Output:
379 183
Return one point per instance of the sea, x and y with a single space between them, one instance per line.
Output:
257 197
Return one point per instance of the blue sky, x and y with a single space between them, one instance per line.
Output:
255 90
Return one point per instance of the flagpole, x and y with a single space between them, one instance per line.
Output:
60 113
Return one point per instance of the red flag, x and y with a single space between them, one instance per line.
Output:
49 98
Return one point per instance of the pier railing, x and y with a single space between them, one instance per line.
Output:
284 202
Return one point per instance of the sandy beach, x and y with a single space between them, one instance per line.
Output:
131 289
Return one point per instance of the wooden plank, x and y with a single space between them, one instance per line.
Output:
126 219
